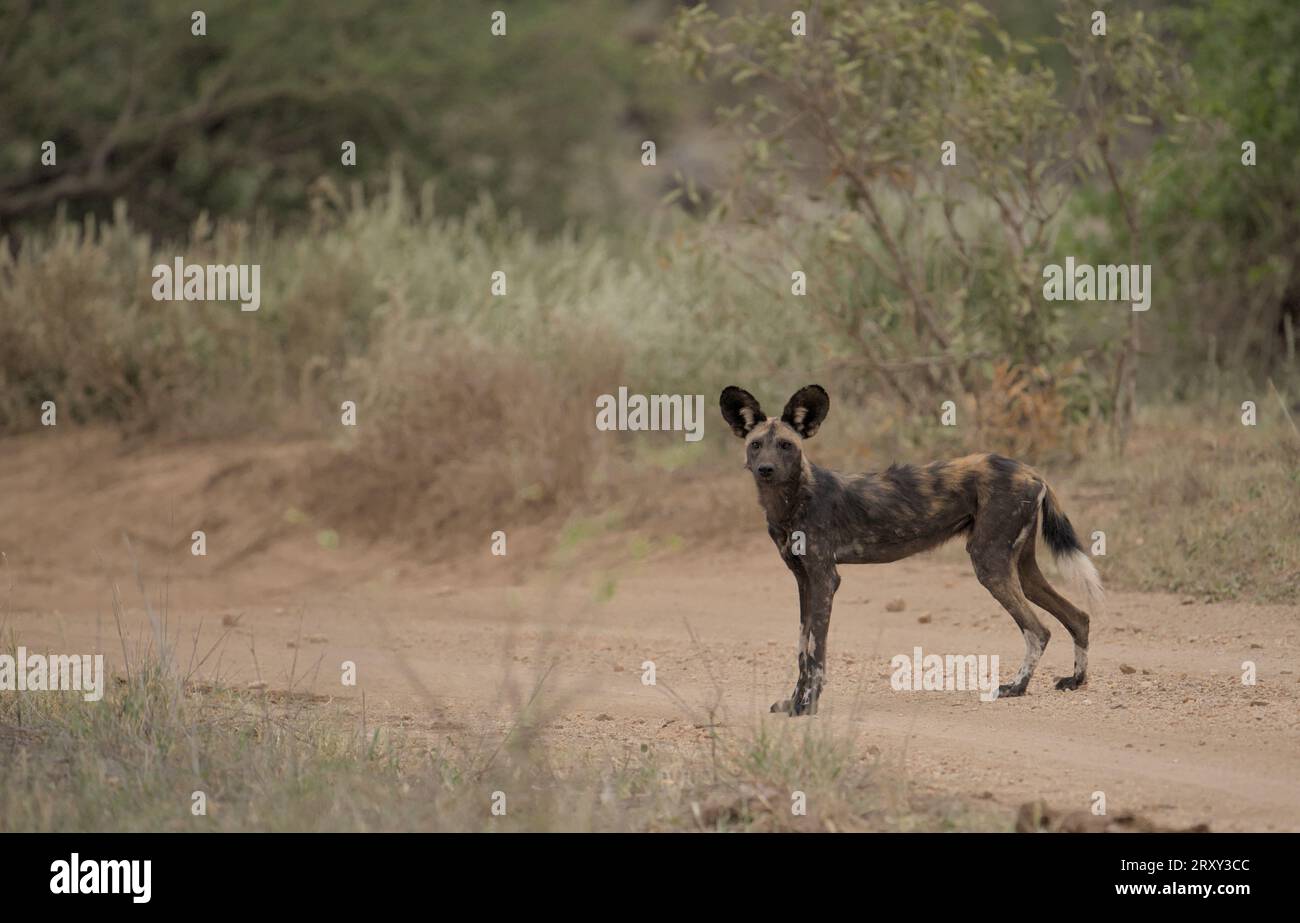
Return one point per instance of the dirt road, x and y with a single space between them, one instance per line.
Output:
1165 726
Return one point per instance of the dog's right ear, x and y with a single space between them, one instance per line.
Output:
740 410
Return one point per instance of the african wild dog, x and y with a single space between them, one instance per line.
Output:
888 515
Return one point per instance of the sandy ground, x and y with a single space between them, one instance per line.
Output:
1165 726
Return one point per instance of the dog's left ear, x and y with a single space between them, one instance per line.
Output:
806 410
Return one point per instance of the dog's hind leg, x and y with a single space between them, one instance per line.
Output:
1043 594
995 544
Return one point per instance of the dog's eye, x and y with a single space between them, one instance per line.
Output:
753 447
785 446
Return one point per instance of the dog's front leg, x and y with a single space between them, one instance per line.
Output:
786 705
822 585
819 586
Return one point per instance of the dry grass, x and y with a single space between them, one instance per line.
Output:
462 432
285 762
1202 505
79 326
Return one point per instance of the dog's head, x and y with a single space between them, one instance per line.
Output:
774 448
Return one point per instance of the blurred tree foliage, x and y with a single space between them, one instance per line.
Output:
1228 235
1126 86
249 119
939 169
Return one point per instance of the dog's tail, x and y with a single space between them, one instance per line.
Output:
1067 551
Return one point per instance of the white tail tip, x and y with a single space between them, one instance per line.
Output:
1078 569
